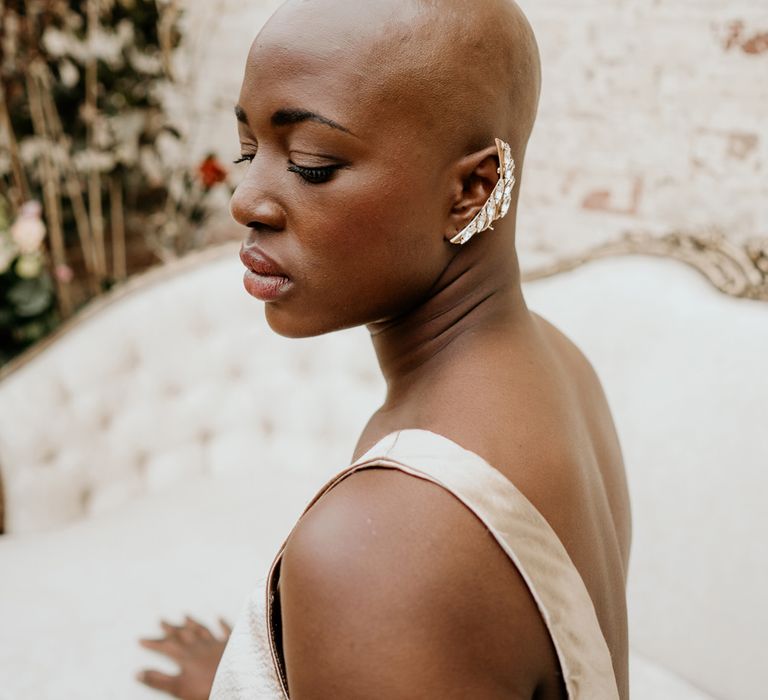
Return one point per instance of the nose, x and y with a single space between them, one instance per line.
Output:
252 207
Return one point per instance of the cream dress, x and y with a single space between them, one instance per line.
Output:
252 668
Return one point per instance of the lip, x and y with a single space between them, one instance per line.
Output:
258 262
264 279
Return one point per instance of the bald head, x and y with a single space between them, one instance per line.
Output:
465 72
369 132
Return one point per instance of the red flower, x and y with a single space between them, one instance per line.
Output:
211 172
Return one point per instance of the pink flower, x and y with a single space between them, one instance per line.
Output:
28 231
64 274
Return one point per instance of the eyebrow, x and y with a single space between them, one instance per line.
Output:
285 117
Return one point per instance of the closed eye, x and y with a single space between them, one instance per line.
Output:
314 176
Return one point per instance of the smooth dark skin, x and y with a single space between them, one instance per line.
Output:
390 588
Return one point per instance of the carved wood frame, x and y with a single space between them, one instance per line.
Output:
737 270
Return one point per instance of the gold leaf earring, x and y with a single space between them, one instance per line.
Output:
497 205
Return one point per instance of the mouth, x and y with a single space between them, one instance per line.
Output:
264 279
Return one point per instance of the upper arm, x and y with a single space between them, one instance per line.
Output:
391 588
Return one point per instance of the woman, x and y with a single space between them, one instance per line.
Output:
478 545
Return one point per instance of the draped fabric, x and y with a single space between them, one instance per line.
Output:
252 668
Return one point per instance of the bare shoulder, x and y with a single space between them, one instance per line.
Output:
390 583
568 350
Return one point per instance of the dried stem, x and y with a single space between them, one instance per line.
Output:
51 194
91 112
72 182
119 266
168 15
19 176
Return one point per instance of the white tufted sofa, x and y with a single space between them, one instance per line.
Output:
143 449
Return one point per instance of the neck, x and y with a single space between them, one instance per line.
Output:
477 294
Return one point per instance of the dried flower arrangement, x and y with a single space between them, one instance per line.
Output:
84 132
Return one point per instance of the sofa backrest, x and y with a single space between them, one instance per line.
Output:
178 373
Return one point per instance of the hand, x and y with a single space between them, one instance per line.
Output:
195 650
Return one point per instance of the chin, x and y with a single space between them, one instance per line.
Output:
292 325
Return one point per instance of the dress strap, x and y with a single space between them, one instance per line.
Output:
523 534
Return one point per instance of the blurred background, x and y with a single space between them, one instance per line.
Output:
151 423
104 171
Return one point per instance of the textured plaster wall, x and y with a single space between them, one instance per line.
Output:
653 117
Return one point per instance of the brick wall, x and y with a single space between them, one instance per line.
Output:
654 115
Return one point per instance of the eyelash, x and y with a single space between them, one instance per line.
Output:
313 176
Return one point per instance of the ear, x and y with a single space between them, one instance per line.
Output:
473 180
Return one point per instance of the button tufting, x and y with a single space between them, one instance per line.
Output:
64 394
303 365
172 390
142 459
85 497
131 360
201 327
105 420
236 372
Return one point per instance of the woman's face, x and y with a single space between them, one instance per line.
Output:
339 189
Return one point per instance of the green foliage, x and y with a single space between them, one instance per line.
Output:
27 294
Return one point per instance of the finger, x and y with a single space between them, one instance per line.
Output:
159 681
168 647
169 629
148 642
225 626
199 629
188 636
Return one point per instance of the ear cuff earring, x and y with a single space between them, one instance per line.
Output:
497 205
